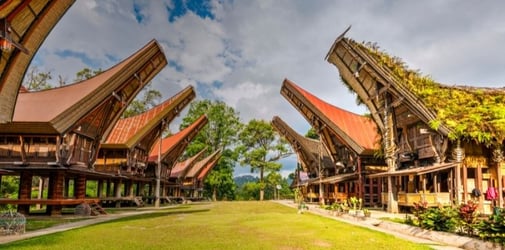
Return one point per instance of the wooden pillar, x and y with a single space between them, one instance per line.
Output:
117 191
478 184
66 191
465 184
131 188
500 184
436 185
99 191
80 187
25 189
108 189
56 188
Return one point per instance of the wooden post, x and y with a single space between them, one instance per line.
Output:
465 184
25 189
478 184
80 187
500 184
99 191
56 186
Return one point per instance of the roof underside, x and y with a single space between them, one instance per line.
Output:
355 131
86 103
145 127
173 146
382 80
30 23
308 150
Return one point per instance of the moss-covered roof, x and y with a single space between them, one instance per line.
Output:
468 112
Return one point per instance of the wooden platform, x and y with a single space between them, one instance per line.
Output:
62 202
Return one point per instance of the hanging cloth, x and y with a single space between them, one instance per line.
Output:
491 193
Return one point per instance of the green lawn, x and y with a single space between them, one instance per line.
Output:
221 225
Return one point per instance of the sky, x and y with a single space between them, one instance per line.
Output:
240 51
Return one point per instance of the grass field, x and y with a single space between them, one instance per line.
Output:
220 225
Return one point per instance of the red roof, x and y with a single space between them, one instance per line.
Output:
207 169
169 143
184 166
200 166
42 106
359 128
126 128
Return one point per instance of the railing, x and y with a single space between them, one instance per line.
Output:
408 199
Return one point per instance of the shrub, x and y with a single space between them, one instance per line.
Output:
493 229
468 217
439 219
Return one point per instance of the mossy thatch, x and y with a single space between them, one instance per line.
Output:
468 112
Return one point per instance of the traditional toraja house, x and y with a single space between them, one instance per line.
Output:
24 25
440 142
313 159
352 142
165 153
56 133
194 179
179 172
125 152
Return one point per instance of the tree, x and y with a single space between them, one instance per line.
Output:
86 73
149 99
261 148
311 133
220 134
36 80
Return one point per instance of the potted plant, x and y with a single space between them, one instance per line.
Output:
367 212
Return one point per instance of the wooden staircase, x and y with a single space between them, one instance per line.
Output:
138 201
96 209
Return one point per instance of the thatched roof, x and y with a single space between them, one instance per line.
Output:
458 111
30 23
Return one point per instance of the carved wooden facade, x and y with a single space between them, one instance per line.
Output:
167 151
126 150
421 162
25 25
351 141
56 133
194 179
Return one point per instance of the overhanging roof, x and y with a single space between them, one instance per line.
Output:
56 111
210 164
355 131
307 149
182 168
195 171
415 171
338 178
128 132
173 146
30 23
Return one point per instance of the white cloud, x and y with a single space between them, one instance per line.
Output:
251 46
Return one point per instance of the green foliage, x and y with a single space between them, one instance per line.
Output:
148 99
311 133
261 147
439 219
473 113
36 80
220 133
86 73
493 229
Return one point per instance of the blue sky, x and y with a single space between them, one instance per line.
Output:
240 51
